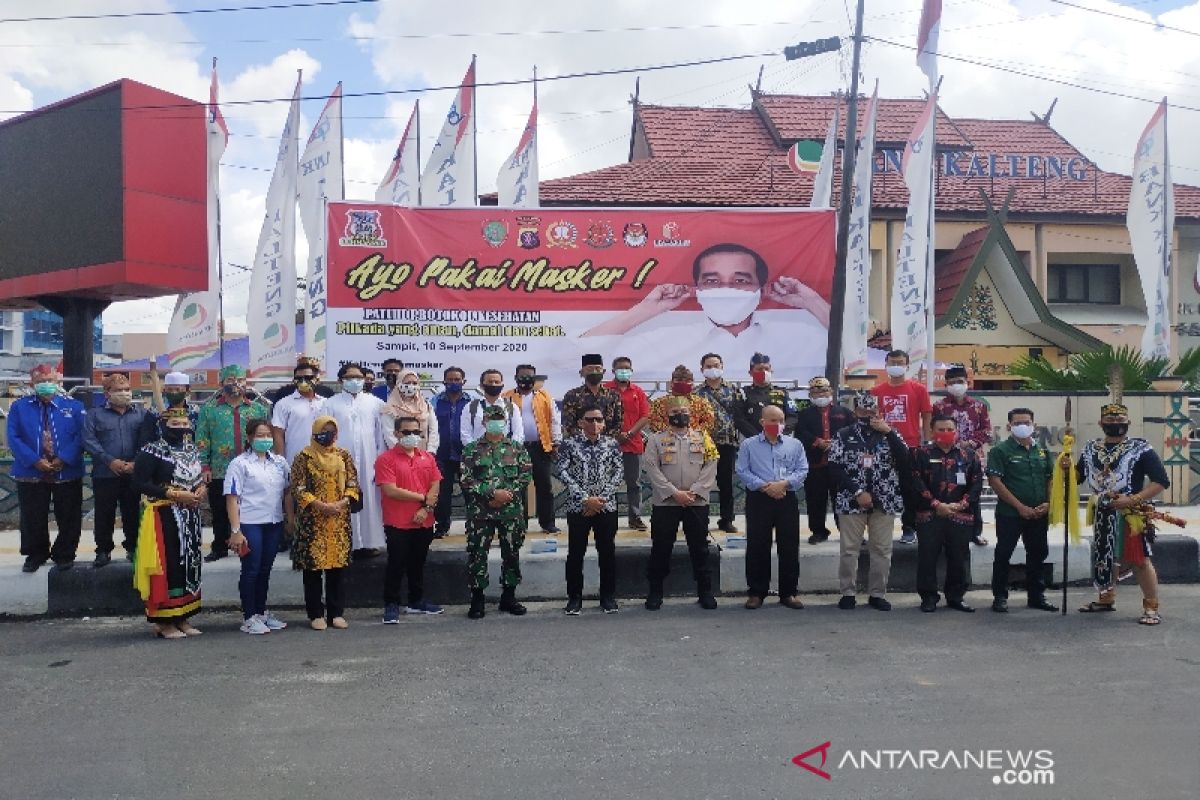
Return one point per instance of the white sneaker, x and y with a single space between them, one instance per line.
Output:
254 626
271 621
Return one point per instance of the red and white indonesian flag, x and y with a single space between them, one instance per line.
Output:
517 183
321 178
912 264
401 182
1151 223
194 333
822 196
858 249
927 39
449 176
271 309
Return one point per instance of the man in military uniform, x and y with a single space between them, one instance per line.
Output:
760 394
495 470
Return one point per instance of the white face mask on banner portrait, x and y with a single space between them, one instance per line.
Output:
728 306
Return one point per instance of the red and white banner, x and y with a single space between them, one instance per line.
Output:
1151 223
449 176
480 288
858 249
928 31
401 182
517 183
913 262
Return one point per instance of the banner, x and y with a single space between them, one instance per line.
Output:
402 182
858 249
908 291
449 176
1151 223
321 178
822 196
195 331
517 183
928 31
480 288
271 310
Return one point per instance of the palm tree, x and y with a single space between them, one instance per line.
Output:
1089 371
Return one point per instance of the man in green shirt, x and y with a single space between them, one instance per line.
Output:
1019 471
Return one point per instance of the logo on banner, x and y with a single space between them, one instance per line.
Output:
561 234
194 315
671 236
495 232
363 229
528 236
600 234
635 234
275 335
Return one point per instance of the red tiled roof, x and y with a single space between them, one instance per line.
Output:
798 117
951 269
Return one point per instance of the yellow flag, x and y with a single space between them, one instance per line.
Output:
1064 492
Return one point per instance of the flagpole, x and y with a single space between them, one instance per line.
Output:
417 113
1169 189
220 260
475 130
930 250
341 141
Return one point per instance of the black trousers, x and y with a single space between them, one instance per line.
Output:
107 495
763 515
407 549
725 467
220 515
543 464
664 524
934 537
334 605
604 527
35 498
818 496
449 470
1033 533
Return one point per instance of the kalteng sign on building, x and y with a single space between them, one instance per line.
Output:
480 288
965 164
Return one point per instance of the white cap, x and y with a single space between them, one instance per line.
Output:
177 379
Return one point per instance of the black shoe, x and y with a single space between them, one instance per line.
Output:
847 602
707 601
1042 605
727 527
817 538
929 606
102 560
509 604
908 537
440 533
63 566
979 541
364 553
32 564
551 528
477 610
879 604
635 523
574 607
608 605
654 600
215 555
1000 605
959 605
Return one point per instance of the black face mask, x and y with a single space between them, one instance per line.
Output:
593 378
1114 428
230 390
175 398
176 436
679 420
492 391
863 421
324 438
390 378
525 381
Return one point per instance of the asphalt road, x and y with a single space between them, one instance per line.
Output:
681 703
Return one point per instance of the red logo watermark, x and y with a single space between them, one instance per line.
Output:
823 749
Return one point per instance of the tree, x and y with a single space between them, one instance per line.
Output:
1089 371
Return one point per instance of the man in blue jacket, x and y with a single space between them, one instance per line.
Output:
45 434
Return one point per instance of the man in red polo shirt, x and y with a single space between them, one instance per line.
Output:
635 408
904 405
409 481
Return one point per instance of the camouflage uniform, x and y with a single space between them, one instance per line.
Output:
486 467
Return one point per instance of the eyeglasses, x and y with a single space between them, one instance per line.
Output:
593 419
410 433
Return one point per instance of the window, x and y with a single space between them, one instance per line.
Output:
1084 283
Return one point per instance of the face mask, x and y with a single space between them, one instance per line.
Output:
492 391
712 373
821 402
593 378
324 438
727 306
408 389
864 421
681 387
390 378
1022 430
956 389
679 419
304 386
624 375
525 381
230 389
761 377
772 428
495 426
945 438
46 389
175 398
176 435
896 370
262 445
120 398
353 385
1114 428
410 441
453 387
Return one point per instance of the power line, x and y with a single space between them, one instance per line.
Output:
1151 23
188 12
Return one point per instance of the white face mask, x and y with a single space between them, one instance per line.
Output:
410 441
821 402
956 389
407 389
712 373
896 370
1022 431
728 306
353 385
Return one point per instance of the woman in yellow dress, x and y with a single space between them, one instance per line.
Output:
325 485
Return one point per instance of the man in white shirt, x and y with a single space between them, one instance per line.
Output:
471 421
362 431
293 416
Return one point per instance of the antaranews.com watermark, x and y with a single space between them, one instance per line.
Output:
1006 767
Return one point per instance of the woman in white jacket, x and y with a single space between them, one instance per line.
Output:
406 401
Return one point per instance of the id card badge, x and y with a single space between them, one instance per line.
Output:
961 478
868 462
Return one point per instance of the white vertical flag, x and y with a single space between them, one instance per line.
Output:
195 330
449 176
858 250
321 178
271 310
927 40
908 292
401 181
517 183
1151 223
822 196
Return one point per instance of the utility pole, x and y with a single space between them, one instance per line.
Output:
833 353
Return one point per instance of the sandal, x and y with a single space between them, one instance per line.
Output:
165 631
1094 607
1150 617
